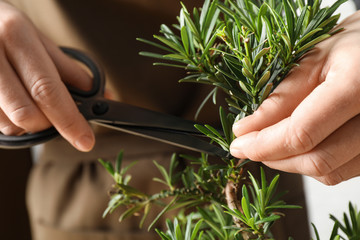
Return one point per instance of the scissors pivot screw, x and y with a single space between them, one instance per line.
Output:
100 108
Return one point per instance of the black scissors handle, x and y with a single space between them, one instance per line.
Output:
31 139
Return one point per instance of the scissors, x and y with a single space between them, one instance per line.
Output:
120 116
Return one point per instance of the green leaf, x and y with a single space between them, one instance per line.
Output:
185 39
146 213
244 88
178 233
163 173
165 209
131 211
226 125
300 24
196 230
287 42
271 218
119 161
108 166
218 212
155 45
307 36
115 200
172 168
315 231
245 207
214 131
266 92
263 179
313 42
208 46
173 45
131 191
263 80
261 54
125 169
334 7
204 12
160 181
162 235
211 20
169 34
354 220
247 64
190 22
334 232
206 99
169 65
341 226
152 55
284 206
347 223
289 20
272 187
209 220
174 57
188 227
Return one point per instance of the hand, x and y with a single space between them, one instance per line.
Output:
311 123
33 71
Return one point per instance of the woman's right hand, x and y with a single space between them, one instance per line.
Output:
33 74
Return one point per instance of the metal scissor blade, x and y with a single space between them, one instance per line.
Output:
175 138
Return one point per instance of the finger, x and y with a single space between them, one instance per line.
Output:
331 154
41 79
7 127
349 170
317 116
16 103
282 102
70 71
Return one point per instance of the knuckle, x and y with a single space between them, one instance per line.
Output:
43 91
10 22
257 156
298 140
22 115
68 125
332 179
318 164
10 130
273 101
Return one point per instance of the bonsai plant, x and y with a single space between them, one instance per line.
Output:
244 48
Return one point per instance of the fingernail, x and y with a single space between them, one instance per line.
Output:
235 125
85 143
235 151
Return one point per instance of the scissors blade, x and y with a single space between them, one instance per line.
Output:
175 138
112 112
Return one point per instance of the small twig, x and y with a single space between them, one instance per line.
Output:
233 202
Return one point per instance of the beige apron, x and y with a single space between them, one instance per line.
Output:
67 190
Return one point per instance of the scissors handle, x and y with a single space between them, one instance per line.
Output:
31 139
27 140
98 83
